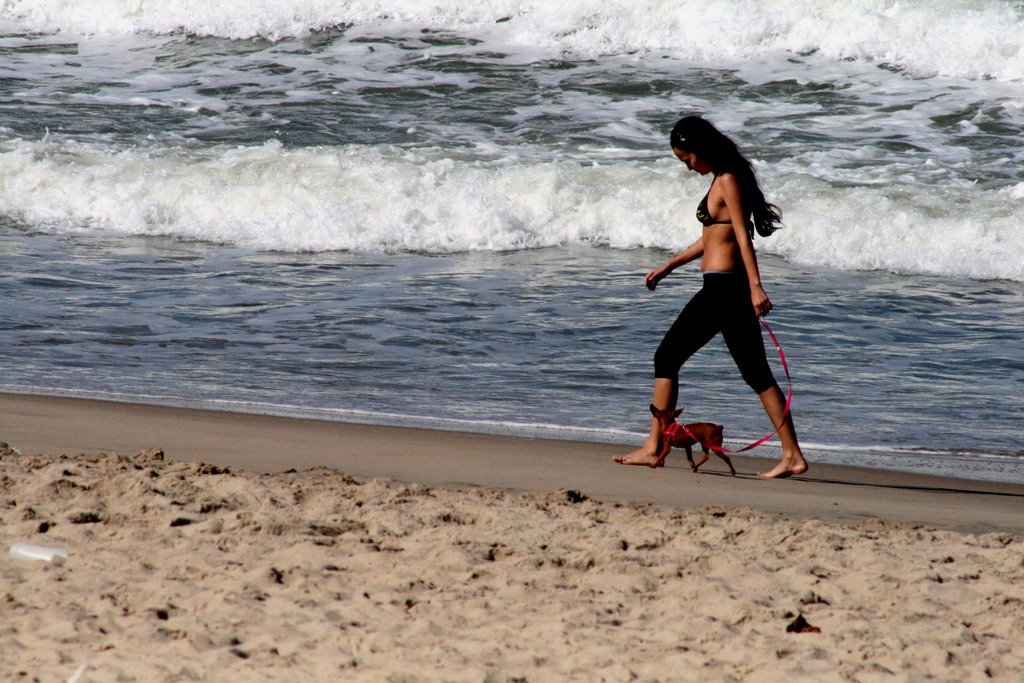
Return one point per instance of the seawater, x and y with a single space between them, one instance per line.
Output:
439 214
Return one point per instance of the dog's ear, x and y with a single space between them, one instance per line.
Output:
677 412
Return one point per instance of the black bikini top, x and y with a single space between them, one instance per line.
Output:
702 213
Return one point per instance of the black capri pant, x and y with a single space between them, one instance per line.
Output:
722 305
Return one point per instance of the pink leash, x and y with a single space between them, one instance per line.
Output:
676 427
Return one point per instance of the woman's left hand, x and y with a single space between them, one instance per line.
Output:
759 298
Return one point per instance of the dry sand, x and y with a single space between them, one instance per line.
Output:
182 571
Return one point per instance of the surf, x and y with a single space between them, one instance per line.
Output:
914 35
389 199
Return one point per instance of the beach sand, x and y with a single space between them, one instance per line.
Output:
253 548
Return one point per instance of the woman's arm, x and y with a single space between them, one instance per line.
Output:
730 189
694 251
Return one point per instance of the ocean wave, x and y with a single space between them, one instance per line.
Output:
915 35
390 199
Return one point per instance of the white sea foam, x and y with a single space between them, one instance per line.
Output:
966 38
905 228
391 199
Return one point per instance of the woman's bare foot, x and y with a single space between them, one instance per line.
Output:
789 466
645 455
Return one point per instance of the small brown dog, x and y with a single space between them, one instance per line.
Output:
707 433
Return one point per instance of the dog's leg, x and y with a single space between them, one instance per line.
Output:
689 456
716 440
732 470
704 457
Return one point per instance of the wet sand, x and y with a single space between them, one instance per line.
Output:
256 443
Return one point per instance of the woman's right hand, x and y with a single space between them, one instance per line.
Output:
694 251
656 276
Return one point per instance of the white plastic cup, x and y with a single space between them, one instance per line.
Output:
28 551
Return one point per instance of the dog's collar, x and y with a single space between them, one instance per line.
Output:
673 430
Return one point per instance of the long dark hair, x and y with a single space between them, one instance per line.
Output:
694 134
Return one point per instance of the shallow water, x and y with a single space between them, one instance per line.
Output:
441 214
555 342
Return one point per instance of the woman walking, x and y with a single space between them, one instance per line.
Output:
732 297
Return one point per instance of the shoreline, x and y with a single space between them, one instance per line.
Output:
976 465
36 424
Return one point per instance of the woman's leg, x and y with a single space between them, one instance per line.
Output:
666 392
742 334
792 457
693 328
